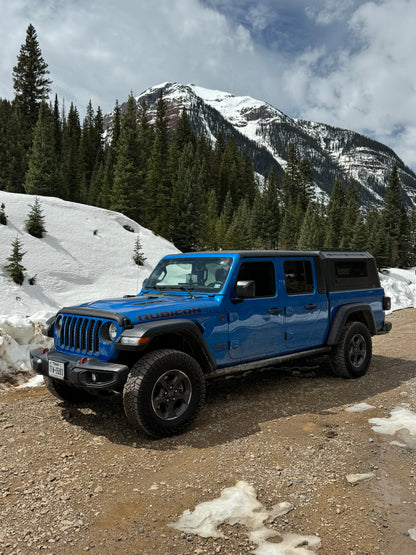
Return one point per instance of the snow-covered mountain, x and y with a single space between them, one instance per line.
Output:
267 132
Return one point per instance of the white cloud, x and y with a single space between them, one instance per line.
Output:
330 12
354 69
102 50
371 86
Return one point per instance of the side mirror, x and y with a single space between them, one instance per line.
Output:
245 289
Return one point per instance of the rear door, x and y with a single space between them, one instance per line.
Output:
306 310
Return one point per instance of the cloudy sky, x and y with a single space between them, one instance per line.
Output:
348 63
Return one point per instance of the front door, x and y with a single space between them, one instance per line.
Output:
256 325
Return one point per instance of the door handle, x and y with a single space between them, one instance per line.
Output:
310 306
275 310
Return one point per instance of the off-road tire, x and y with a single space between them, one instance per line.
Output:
352 356
164 393
67 393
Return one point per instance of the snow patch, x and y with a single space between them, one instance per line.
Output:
239 504
360 407
402 421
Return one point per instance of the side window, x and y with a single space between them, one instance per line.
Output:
262 273
298 277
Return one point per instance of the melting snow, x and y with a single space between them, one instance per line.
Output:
239 504
402 420
360 407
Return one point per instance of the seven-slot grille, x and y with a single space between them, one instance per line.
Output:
79 334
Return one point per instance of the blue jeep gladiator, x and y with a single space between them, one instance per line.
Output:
204 315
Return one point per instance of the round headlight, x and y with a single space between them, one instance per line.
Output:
112 331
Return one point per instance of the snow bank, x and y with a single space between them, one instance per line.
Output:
400 286
17 337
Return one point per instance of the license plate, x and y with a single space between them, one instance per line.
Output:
56 369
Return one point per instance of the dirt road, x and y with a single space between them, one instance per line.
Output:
78 479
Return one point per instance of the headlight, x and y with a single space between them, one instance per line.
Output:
112 331
109 332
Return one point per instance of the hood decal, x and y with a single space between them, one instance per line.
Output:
168 313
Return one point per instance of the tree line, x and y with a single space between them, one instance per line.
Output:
199 195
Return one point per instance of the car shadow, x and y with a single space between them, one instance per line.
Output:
237 406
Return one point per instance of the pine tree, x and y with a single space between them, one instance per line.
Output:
158 188
5 112
71 137
42 177
257 227
292 179
35 223
307 186
359 238
310 233
238 234
138 255
336 211
3 217
271 212
127 191
208 239
291 225
16 154
395 220
15 269
105 196
186 206
30 78
352 207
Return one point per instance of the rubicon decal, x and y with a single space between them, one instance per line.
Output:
167 313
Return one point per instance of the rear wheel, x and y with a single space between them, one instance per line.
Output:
352 356
67 393
164 393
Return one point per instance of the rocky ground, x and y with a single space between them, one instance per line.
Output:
79 479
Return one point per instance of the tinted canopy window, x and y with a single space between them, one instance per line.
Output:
262 273
298 277
351 269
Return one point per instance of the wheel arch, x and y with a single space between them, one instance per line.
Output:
179 334
356 312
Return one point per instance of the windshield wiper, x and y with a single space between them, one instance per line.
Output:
183 288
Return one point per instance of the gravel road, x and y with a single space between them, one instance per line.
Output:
79 479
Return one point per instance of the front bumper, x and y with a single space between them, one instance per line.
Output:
91 373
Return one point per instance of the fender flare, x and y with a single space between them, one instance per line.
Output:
144 332
342 315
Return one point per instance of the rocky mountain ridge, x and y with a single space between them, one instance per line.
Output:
266 133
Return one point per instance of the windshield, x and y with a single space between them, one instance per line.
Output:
206 275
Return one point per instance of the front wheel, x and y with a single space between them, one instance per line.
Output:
164 392
352 356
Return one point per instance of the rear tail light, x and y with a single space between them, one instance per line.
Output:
386 303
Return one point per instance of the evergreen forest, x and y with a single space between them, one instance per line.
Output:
199 195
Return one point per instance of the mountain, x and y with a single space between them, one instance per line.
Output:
266 133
